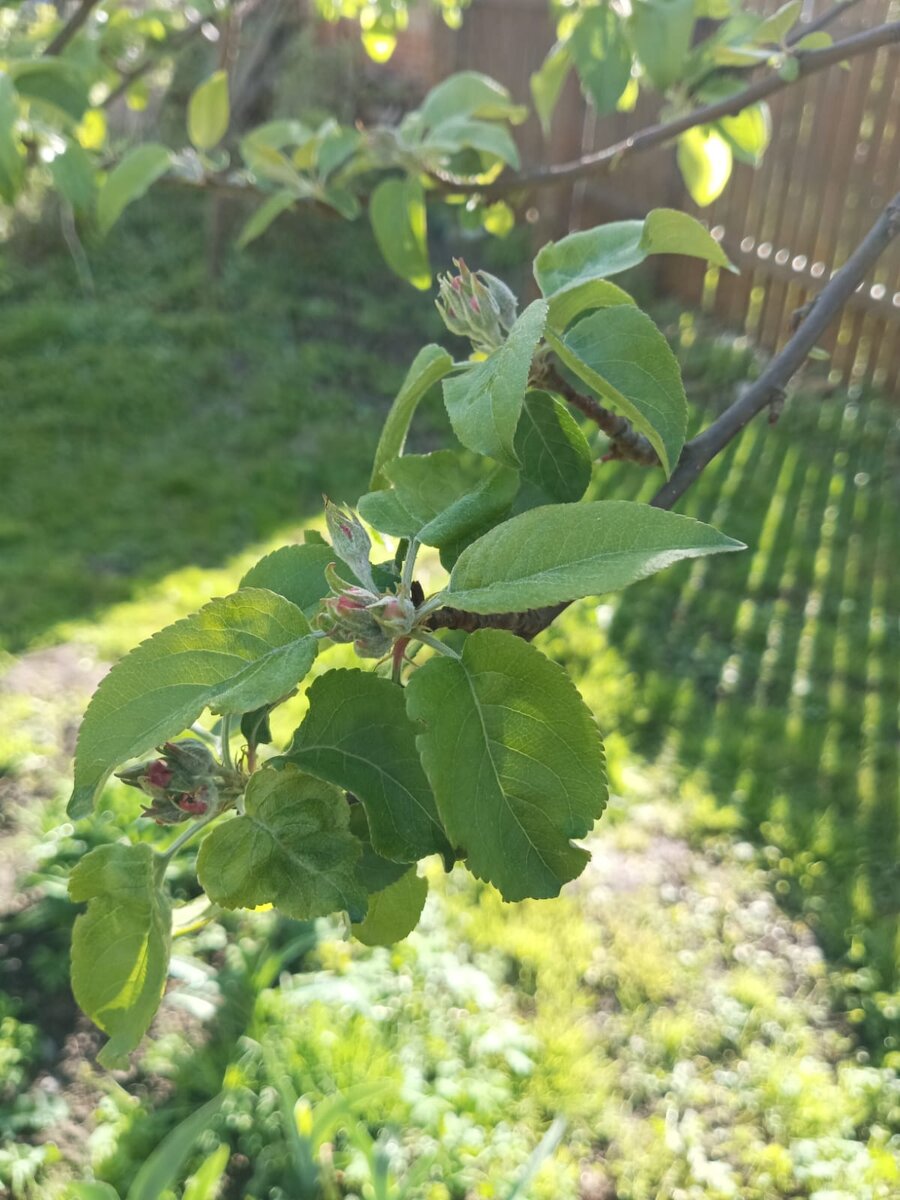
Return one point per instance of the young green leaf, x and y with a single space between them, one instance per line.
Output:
661 32
460 133
562 552
291 847
374 872
470 94
394 912
158 1173
554 453
399 222
705 161
232 656
295 572
129 180
620 354
597 253
602 56
515 760
430 365
747 133
547 83
74 175
441 497
572 302
208 112
121 945
270 209
57 82
357 736
485 400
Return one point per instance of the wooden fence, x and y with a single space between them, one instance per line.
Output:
833 163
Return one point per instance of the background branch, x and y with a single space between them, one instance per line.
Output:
71 27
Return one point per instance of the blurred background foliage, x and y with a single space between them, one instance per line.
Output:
713 1009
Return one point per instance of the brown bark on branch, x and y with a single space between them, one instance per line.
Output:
71 27
626 441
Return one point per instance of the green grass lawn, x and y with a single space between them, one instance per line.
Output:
161 435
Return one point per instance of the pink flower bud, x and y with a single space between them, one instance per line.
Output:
159 774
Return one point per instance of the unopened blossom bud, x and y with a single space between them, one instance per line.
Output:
351 543
179 784
477 306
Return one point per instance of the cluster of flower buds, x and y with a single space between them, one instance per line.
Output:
370 620
181 783
477 306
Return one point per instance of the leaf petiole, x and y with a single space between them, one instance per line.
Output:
183 838
435 643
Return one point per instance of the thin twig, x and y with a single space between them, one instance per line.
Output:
626 441
830 14
71 27
808 63
160 52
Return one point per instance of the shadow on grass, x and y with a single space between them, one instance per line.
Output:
156 425
770 679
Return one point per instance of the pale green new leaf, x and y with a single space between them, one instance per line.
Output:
484 401
661 32
74 176
515 760
620 354
602 56
129 180
562 552
747 133
121 945
291 847
295 572
774 29
270 209
470 94
554 453
394 912
234 655
159 1172
460 133
209 111
429 366
705 161
439 498
547 83
572 302
399 222
597 253
357 736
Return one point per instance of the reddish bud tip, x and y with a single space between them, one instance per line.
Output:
159 774
474 305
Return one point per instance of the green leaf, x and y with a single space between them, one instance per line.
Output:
397 213
562 552
53 81
159 1172
574 301
705 161
747 133
357 736
547 83
602 56
129 180
121 945
661 32
459 133
74 176
593 254
232 656
470 94
515 760
485 400
430 365
394 913
91 1191
621 355
206 1182
439 498
268 211
668 231
295 572
292 847
374 872
208 112
12 160
554 453
775 28
817 40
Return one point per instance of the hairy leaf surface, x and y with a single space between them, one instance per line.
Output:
295 572
430 365
621 354
357 736
234 655
485 400
515 760
121 945
562 552
292 847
